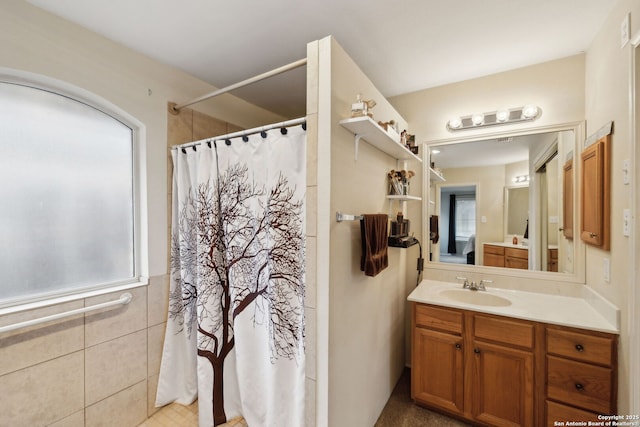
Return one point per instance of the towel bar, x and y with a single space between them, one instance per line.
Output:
346 217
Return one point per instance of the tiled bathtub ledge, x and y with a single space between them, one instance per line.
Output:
587 311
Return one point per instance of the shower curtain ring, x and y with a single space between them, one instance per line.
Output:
283 130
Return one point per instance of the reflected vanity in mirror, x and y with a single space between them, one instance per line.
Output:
501 201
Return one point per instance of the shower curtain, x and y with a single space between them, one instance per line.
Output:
235 331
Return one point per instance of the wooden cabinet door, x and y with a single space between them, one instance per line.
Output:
595 192
437 369
502 393
516 258
493 256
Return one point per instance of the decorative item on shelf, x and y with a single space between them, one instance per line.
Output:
390 128
409 141
387 125
399 181
362 108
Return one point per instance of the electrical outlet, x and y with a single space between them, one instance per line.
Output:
624 31
606 269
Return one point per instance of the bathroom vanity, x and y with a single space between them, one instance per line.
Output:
506 358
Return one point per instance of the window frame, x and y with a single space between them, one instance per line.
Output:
140 223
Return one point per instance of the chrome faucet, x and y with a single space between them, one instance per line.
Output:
473 286
465 284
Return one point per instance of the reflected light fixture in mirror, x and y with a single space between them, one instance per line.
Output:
500 117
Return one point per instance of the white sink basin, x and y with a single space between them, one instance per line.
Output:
475 297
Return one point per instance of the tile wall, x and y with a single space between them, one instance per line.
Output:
94 369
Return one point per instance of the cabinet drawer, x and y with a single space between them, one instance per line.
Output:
557 412
506 331
581 347
496 250
439 318
516 253
579 384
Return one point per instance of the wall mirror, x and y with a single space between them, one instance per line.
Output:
498 202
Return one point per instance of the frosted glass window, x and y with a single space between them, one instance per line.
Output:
66 199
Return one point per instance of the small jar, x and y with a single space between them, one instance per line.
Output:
515 240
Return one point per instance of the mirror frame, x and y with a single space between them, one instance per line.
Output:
579 258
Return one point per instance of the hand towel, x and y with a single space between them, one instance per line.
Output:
434 233
373 228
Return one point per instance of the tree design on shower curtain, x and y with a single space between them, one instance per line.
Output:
245 246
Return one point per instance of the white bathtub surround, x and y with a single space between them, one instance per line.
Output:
587 311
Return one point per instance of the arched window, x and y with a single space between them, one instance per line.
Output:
68 196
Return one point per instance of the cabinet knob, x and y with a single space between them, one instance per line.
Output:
580 348
458 346
592 235
579 387
476 350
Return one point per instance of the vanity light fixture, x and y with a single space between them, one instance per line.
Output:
499 117
521 179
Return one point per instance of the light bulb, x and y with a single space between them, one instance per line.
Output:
502 115
529 111
455 123
477 119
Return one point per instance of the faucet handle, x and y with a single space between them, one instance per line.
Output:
482 282
465 284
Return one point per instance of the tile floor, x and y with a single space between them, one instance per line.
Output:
176 415
400 411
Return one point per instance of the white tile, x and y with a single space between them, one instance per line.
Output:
311 211
73 420
310 272
158 294
29 346
123 409
155 343
42 394
310 342
152 387
117 321
310 403
115 365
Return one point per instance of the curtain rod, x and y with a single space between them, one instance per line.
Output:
275 72
287 123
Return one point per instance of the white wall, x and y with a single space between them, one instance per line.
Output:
607 98
35 41
366 314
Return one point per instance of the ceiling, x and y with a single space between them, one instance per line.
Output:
403 46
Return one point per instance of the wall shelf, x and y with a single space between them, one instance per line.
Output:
403 198
435 176
365 128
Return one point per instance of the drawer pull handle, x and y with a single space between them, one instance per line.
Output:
458 346
579 387
579 348
476 350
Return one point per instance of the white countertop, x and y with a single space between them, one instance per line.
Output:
518 246
591 312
